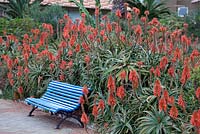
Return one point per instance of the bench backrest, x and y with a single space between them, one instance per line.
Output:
64 94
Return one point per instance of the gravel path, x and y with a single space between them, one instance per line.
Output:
14 120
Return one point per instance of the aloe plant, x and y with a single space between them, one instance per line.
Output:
155 122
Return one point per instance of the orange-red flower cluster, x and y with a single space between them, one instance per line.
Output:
111 84
163 62
181 102
121 92
123 75
84 118
197 92
133 77
173 113
162 104
157 88
185 74
195 119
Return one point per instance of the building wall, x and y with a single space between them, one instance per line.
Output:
187 3
174 4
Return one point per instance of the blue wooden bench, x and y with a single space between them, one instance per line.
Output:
59 99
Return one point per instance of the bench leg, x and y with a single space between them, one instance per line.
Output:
63 119
33 109
78 119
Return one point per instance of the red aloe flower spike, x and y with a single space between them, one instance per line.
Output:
95 111
118 13
173 113
85 92
111 101
157 88
101 105
109 27
20 90
52 66
197 92
151 70
84 120
111 84
19 71
129 16
163 62
143 19
70 64
162 104
63 65
195 119
96 11
185 74
70 53
62 77
26 70
146 12
78 47
10 75
181 102
171 71
185 25
170 100
121 92
166 95
138 30
81 100
177 54
87 59
11 81
195 53
136 11
157 71
123 75
1 40
133 77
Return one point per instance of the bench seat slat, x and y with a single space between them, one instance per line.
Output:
66 84
60 103
51 106
67 103
61 98
67 95
31 102
73 88
67 89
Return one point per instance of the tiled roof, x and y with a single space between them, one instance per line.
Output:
105 4
3 1
194 1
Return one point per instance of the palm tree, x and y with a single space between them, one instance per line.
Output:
156 9
16 8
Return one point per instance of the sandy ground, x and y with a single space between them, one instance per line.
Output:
14 120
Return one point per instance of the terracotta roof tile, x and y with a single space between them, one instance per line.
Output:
194 1
105 4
